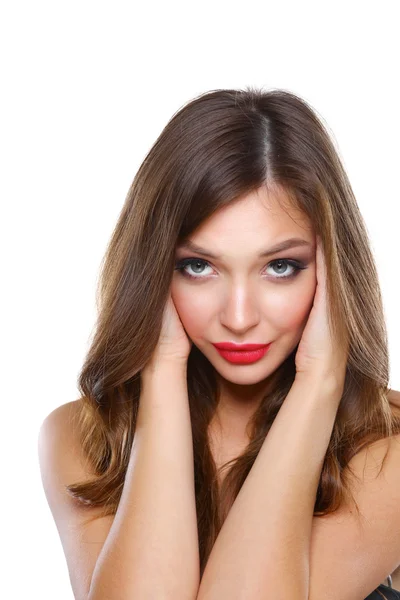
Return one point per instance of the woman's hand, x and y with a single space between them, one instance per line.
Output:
173 344
319 357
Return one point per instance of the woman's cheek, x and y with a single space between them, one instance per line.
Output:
288 310
193 309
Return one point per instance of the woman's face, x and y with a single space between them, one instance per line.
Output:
238 296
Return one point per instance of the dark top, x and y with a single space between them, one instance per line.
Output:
384 591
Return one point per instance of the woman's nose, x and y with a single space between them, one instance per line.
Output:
239 310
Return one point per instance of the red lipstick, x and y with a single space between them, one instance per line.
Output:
241 354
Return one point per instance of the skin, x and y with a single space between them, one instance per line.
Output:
243 298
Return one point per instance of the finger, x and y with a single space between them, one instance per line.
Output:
320 268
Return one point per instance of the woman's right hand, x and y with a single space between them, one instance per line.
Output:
173 344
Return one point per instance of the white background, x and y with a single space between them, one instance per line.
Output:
86 89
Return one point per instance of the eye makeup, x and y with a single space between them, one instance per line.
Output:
295 265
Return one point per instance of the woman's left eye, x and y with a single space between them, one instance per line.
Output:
199 263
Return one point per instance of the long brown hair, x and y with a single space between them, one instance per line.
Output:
217 148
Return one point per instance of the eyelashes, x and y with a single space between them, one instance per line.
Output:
295 265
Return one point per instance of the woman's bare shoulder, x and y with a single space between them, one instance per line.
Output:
65 414
62 464
61 425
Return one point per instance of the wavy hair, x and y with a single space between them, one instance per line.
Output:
214 150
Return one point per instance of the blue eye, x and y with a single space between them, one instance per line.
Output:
199 263
181 266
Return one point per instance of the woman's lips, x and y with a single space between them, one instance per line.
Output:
234 346
247 354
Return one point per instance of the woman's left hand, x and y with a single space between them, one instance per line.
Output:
319 357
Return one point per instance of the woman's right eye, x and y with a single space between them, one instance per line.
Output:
198 265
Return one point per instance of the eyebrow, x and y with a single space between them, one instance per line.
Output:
285 245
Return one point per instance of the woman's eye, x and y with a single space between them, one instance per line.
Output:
197 268
280 268
283 268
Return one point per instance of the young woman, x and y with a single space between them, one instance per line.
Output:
235 435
